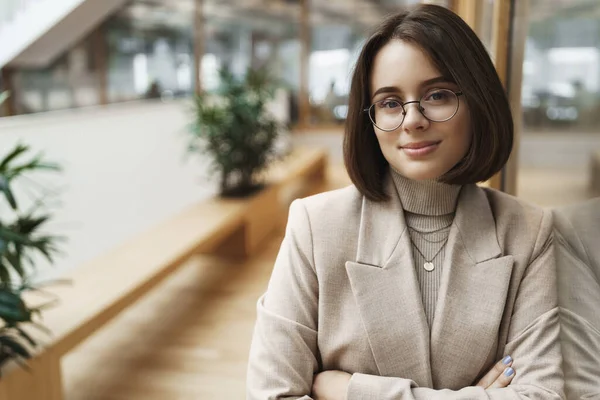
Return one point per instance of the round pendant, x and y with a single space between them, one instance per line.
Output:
428 266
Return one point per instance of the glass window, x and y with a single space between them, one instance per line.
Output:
560 102
485 25
258 34
151 50
147 53
70 81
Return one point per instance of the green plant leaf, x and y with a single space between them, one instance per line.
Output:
15 237
14 346
10 298
41 327
11 312
18 150
26 336
4 272
5 188
15 262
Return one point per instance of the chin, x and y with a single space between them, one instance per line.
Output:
419 175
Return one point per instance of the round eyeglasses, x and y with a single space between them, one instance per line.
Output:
437 105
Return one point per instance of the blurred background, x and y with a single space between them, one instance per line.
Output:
121 51
106 89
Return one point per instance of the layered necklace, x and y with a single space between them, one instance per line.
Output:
428 264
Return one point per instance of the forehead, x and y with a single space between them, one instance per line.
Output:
403 65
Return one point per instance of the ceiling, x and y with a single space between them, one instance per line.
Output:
179 13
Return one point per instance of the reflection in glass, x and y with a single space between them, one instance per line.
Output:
259 34
150 50
143 51
560 102
70 81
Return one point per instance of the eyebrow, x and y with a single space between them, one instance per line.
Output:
394 89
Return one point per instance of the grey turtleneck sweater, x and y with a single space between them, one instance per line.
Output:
429 208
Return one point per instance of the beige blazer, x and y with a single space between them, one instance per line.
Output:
578 265
344 296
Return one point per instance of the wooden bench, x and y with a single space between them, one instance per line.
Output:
104 287
595 173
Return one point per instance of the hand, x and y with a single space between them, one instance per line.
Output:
499 376
330 385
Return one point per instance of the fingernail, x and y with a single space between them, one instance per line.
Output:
506 360
509 371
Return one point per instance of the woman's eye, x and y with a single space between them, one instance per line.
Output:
389 104
436 96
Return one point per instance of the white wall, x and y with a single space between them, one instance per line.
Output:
124 171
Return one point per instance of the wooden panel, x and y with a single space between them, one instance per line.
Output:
7 82
500 37
261 212
500 48
100 47
3 391
198 44
301 163
305 42
595 174
43 382
519 30
262 217
468 10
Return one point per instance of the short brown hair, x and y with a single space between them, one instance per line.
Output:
460 56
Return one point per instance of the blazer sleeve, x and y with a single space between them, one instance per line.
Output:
283 354
533 342
578 300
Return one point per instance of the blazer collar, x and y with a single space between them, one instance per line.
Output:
470 303
382 225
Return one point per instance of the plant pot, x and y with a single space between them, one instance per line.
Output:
241 191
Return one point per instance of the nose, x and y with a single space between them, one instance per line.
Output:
414 120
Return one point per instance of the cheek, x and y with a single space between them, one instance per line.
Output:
385 139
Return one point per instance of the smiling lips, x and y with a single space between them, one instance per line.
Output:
419 149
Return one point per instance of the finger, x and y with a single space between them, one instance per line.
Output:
495 372
504 379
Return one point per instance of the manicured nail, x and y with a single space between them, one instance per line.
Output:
509 371
506 360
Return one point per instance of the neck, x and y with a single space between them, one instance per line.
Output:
426 197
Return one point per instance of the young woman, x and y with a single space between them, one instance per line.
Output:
414 283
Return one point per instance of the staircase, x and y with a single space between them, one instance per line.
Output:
34 32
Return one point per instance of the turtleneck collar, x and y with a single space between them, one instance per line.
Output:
427 197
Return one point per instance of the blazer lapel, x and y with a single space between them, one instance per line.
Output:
472 295
386 290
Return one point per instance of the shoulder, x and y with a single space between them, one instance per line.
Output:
578 218
578 225
329 219
510 208
524 224
332 205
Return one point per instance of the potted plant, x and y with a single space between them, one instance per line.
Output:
21 240
234 128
